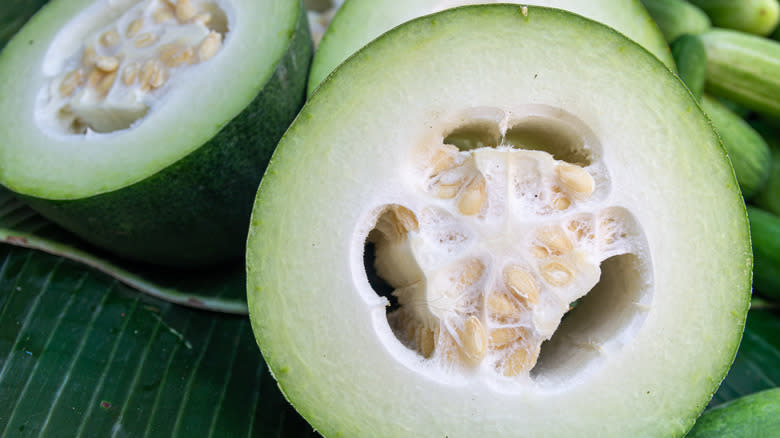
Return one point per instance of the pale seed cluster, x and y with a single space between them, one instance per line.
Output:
106 84
451 174
492 301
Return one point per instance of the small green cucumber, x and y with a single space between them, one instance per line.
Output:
752 416
691 59
677 17
747 150
769 196
769 129
758 17
736 108
765 234
744 68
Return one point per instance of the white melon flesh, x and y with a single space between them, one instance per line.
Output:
124 66
561 229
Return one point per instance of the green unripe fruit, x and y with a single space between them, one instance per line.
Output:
677 17
691 59
759 17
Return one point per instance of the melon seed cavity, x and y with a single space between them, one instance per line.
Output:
503 240
129 62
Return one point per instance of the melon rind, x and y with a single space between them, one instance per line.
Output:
323 330
13 16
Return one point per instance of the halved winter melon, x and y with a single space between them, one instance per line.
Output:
145 125
499 221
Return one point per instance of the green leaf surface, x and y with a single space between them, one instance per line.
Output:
221 289
81 354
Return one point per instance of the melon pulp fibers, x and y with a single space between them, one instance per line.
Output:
497 171
359 21
135 127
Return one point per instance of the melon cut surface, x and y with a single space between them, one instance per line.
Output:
144 126
499 221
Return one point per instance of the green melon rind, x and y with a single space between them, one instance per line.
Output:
196 210
310 308
14 14
359 21
752 416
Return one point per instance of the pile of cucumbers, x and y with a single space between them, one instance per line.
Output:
728 54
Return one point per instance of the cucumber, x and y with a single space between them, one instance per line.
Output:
168 178
752 416
765 235
747 150
677 17
744 68
737 109
14 14
769 196
758 17
691 59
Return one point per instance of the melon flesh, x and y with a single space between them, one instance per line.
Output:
479 227
137 53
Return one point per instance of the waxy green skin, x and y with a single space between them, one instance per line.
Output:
691 59
196 211
747 150
14 14
752 416
744 68
319 323
677 17
758 17
769 196
765 232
